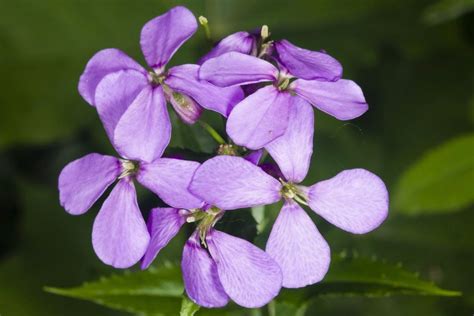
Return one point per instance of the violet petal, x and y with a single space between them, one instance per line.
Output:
200 276
342 99
354 200
235 69
260 118
104 62
163 224
297 246
184 79
144 130
84 180
292 151
249 275
114 94
169 179
162 36
307 64
241 42
230 182
119 235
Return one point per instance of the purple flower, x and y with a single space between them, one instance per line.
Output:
119 235
354 200
216 266
301 74
132 101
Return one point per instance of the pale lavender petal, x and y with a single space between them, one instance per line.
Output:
342 99
119 235
188 110
230 182
307 64
84 180
163 224
249 276
114 94
144 130
169 179
241 42
292 151
254 156
200 276
297 246
260 118
233 69
354 200
162 36
184 79
101 64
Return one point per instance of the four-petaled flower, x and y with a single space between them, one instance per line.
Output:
263 116
119 235
354 200
216 266
131 101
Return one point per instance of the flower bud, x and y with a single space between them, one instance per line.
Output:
186 108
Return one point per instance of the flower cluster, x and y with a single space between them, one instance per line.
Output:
266 89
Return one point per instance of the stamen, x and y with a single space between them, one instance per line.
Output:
209 219
156 77
291 191
283 84
129 168
227 149
205 24
264 33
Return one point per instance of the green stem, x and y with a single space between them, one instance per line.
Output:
214 134
271 308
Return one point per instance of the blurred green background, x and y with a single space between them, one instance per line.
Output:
414 60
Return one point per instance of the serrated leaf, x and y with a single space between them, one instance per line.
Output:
441 181
188 308
359 276
156 291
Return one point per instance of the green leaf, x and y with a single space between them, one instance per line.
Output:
440 181
359 276
446 10
156 291
188 308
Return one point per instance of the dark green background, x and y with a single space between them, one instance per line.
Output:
415 66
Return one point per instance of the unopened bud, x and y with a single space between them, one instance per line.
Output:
186 108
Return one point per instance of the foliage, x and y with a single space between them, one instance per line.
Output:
441 181
158 291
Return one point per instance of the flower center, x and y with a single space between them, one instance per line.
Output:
291 191
228 149
206 218
129 168
283 82
156 77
